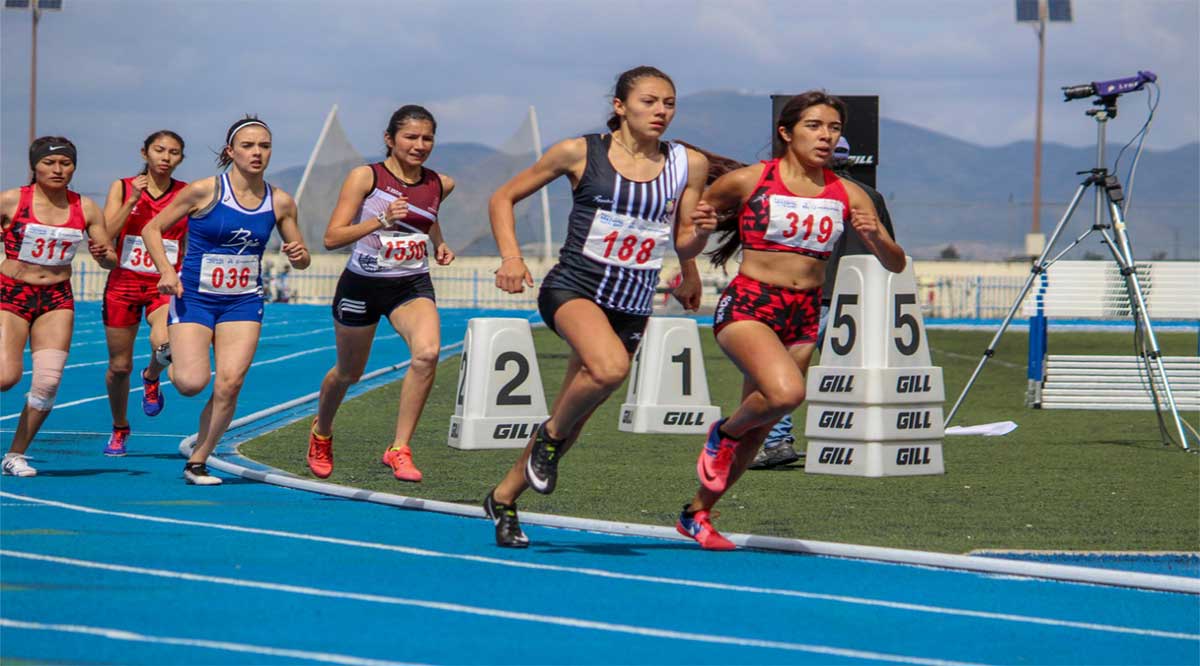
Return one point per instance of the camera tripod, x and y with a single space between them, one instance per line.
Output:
1108 196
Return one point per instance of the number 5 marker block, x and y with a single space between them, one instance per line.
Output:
875 402
668 390
500 400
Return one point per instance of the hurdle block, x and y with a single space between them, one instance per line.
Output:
668 389
500 399
875 402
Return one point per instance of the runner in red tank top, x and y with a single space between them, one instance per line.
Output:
132 286
790 212
43 225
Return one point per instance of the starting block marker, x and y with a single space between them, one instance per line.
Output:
875 402
668 389
500 397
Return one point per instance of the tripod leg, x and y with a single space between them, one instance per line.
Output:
1039 267
1123 254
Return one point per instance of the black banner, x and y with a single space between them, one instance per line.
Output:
861 131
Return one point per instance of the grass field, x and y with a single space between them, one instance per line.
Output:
1064 480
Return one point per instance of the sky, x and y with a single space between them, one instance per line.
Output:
112 71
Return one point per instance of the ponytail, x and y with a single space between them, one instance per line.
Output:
729 241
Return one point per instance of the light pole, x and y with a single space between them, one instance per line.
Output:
1038 12
38 6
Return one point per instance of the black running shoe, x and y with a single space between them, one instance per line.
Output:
508 526
541 469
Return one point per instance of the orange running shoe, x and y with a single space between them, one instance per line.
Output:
401 462
699 527
320 453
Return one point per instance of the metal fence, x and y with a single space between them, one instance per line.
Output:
956 297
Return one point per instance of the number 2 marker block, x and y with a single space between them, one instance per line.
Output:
668 390
500 400
875 402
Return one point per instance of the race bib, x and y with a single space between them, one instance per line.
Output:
229 274
134 256
800 222
403 251
49 246
624 240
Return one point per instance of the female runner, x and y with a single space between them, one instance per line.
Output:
43 226
790 212
633 193
132 287
216 299
389 211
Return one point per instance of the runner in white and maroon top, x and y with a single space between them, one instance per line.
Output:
389 210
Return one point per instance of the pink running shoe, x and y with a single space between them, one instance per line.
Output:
699 527
116 442
716 459
320 453
401 462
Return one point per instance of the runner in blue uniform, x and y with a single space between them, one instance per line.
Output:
633 195
217 299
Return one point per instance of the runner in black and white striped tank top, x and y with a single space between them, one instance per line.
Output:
619 230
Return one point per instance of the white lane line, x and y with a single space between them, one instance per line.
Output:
105 433
602 573
141 357
482 611
123 635
270 361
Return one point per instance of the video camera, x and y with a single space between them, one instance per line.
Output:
1109 88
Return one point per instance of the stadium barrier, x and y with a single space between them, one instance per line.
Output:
1089 290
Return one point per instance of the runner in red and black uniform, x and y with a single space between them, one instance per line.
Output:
132 287
790 212
43 224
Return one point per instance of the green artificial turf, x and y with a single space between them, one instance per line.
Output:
1070 480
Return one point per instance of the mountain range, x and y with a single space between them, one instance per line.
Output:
941 192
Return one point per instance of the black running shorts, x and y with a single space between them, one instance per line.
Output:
628 327
361 301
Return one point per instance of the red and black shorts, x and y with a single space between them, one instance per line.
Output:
125 297
30 301
794 314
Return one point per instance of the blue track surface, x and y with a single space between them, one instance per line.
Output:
117 561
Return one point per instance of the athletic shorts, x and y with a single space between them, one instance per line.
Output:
211 309
360 300
628 327
125 298
30 301
794 314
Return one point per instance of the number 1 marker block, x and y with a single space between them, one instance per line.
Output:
500 399
875 402
668 390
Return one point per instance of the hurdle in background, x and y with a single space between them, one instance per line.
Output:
1092 290
875 402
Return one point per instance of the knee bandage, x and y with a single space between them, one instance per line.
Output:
47 375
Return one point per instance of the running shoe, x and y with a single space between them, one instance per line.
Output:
116 442
197 474
541 468
716 459
16 465
401 462
775 456
508 526
152 397
699 527
320 453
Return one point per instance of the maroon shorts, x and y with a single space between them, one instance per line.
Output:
30 301
125 298
794 314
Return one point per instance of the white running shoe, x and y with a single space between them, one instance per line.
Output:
15 465
197 475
